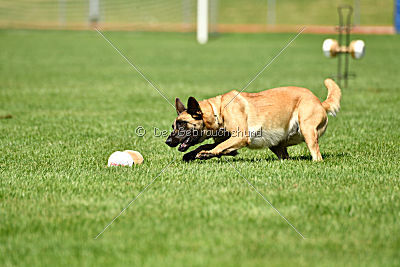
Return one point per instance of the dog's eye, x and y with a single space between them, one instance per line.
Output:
180 124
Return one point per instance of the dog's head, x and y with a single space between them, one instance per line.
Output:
187 129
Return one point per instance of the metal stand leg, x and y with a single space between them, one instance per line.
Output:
346 27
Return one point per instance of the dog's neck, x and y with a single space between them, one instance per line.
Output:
212 113
216 114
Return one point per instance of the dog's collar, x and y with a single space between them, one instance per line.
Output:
216 117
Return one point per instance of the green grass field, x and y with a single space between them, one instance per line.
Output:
74 101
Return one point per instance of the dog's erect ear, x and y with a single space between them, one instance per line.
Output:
180 107
194 108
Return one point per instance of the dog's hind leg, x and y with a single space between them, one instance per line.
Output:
311 138
280 151
313 123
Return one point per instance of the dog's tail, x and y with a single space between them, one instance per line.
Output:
332 102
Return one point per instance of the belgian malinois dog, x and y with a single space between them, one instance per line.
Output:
274 119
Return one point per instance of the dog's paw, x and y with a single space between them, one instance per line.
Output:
205 155
233 153
189 156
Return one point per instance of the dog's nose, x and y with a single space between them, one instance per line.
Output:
169 141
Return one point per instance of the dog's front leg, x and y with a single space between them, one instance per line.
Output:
192 154
227 147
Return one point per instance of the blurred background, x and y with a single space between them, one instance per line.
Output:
180 15
68 100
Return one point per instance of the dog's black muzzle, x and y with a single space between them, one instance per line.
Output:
184 141
172 141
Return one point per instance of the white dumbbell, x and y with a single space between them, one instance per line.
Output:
357 49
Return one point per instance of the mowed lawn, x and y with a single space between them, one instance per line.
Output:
74 101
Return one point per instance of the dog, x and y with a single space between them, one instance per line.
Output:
275 119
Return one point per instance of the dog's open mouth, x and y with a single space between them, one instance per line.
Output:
185 144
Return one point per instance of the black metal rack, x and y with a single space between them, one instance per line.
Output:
344 28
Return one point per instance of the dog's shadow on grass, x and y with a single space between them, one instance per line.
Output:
324 156
272 158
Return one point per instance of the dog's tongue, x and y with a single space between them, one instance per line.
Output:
184 146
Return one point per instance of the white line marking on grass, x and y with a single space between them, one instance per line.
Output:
133 200
136 68
267 65
266 200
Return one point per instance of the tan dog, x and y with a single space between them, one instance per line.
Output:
275 118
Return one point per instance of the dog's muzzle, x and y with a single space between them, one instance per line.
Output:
172 142
184 143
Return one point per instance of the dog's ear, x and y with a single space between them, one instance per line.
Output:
194 108
180 107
